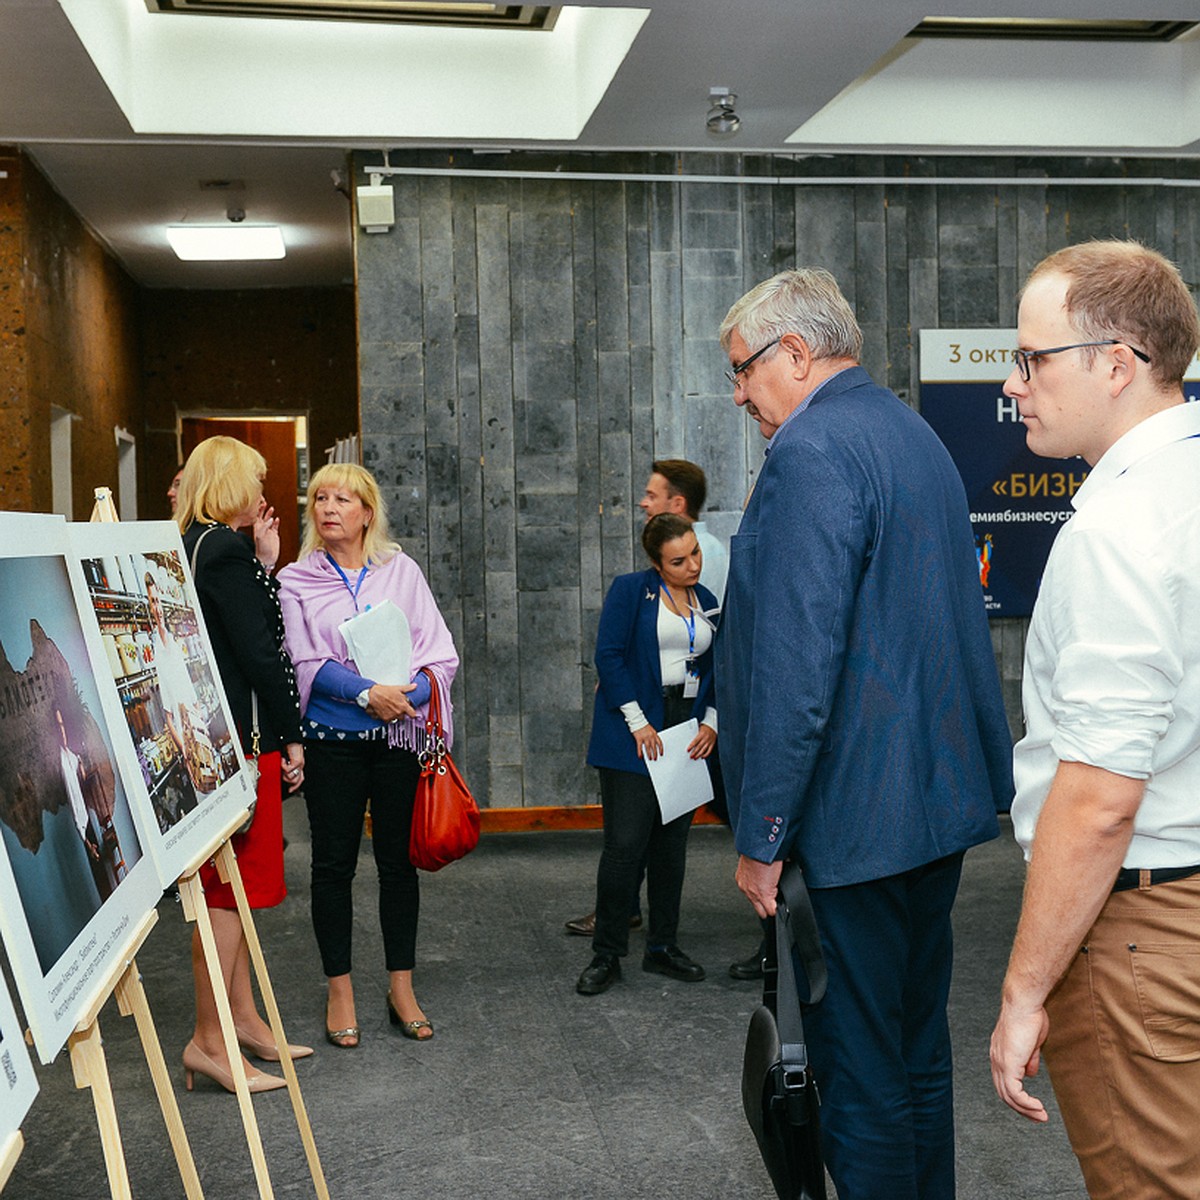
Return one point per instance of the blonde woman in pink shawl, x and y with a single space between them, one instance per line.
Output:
361 737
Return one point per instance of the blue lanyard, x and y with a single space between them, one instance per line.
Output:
689 621
352 590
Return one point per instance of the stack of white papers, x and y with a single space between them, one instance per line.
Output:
380 643
681 783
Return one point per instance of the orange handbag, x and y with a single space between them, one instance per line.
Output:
445 824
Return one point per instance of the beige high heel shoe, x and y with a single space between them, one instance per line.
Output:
196 1062
269 1051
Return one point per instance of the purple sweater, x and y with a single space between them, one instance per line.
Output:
316 600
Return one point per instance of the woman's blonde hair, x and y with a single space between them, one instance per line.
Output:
221 479
378 546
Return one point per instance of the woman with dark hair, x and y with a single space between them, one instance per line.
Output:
220 492
654 660
361 736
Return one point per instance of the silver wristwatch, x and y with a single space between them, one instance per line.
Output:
363 698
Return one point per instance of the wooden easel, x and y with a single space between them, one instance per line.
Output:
9 1153
91 1071
195 907
132 1002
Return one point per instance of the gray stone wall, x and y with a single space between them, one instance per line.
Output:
528 346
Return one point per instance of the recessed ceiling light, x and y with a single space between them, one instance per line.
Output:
415 12
225 243
1052 28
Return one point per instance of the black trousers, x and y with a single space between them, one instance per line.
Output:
340 777
634 833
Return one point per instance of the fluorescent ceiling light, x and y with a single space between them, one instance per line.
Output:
225 243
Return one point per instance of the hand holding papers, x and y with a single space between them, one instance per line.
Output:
681 783
380 642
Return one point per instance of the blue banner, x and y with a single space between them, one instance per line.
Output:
1017 500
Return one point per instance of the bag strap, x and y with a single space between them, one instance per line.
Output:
433 757
795 925
196 548
802 929
255 735
433 719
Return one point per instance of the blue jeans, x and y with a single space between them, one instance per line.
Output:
879 1042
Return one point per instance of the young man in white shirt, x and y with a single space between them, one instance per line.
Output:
1104 978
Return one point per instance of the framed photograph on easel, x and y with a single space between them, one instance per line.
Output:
18 1083
75 883
171 721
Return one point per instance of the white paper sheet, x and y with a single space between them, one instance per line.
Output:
380 642
681 783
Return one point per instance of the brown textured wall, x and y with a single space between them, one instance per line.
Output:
15 431
68 337
288 350
83 342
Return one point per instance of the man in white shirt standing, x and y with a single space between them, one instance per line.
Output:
1104 978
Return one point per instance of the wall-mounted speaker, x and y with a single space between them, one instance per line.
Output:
376 208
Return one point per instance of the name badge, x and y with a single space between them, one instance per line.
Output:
691 686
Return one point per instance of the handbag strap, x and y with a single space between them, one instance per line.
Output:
433 718
795 925
196 548
255 736
433 757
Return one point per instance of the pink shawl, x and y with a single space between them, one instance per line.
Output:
315 601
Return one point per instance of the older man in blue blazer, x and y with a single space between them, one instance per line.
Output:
863 730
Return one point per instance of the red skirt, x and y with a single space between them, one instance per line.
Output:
259 850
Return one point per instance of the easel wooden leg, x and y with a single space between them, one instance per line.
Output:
229 871
196 909
10 1151
131 1001
91 1071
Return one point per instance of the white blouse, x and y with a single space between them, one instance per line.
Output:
674 646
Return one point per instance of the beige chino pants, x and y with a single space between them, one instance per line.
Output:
1123 1050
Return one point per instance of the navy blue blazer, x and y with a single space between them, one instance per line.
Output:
862 726
627 662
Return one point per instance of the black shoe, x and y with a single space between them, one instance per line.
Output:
670 960
599 975
748 968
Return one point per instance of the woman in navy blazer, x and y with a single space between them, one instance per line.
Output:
654 660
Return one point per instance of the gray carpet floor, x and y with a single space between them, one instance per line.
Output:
527 1089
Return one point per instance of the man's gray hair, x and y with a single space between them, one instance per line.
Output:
807 302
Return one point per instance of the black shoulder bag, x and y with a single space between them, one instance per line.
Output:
779 1093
